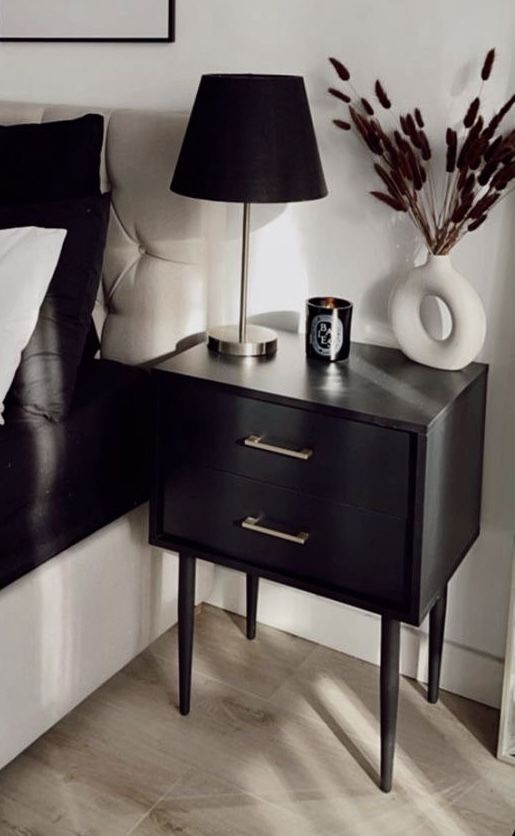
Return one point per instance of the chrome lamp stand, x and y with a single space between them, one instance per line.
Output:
244 339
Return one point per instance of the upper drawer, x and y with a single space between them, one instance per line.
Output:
346 461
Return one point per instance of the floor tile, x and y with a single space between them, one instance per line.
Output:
223 653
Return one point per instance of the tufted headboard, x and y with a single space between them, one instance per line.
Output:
153 290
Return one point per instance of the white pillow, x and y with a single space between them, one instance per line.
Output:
28 258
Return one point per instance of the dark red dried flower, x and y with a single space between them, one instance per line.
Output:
341 69
462 208
398 180
390 201
488 64
391 150
387 180
492 149
480 164
474 225
487 172
471 146
470 116
483 205
452 147
341 124
358 120
425 148
401 142
410 124
367 107
503 177
339 95
469 183
382 96
496 120
507 107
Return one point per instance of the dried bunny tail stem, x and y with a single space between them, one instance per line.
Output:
488 64
339 95
341 69
470 116
382 95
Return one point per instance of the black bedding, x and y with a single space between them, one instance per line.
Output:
60 482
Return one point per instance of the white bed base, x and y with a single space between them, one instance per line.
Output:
73 622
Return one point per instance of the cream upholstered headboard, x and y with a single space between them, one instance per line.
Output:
153 288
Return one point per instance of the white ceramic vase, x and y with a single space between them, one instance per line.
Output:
438 278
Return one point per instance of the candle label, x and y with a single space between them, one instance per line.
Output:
326 335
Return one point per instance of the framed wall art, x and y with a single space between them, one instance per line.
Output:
145 21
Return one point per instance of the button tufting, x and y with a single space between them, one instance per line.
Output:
141 249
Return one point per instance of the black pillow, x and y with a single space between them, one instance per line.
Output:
51 160
45 380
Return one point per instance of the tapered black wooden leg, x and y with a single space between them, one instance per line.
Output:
187 567
390 645
436 631
252 599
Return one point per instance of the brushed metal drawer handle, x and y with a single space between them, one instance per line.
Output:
257 443
253 524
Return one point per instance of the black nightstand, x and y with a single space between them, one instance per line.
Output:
358 481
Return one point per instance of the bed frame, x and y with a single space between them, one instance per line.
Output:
73 622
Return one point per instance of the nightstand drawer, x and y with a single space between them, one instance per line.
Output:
333 545
354 463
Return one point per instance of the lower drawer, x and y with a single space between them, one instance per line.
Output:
330 544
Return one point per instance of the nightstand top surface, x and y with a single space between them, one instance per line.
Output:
376 384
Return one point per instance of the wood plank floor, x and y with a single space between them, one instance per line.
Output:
282 739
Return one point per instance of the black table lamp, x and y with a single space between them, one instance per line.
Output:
250 139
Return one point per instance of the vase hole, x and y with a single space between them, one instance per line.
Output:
436 317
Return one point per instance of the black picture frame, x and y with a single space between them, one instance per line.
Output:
168 38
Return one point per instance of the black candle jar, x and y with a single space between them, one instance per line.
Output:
328 322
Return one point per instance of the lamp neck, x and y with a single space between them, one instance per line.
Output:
242 331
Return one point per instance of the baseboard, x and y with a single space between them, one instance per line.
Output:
465 670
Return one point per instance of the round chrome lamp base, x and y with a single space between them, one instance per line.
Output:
259 341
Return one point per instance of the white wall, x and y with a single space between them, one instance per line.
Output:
427 54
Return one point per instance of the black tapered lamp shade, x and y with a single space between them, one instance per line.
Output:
250 139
